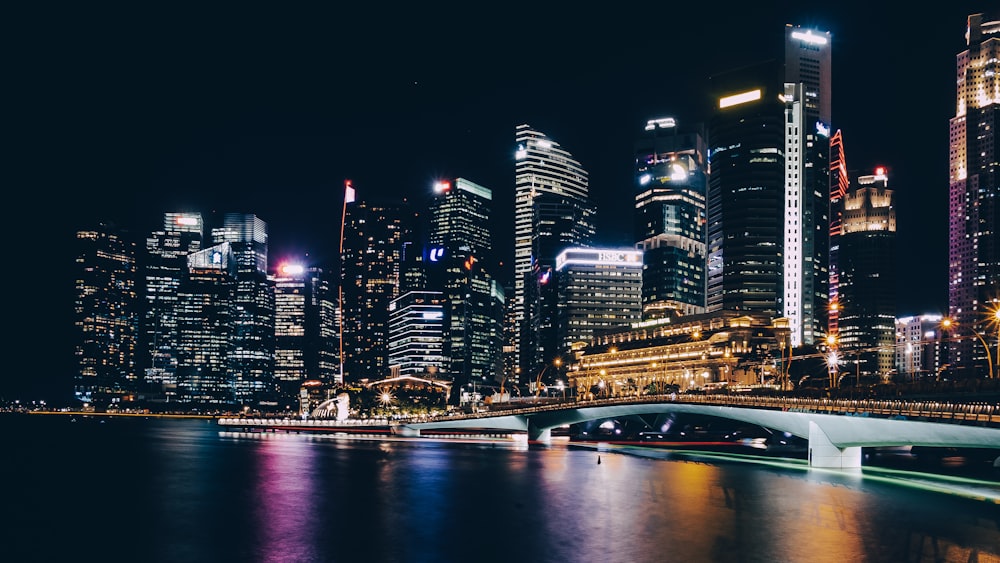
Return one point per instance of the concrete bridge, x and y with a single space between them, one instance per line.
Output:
836 429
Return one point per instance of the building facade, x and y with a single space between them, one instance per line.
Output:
919 347
106 316
866 335
671 174
552 211
305 345
205 309
974 193
416 334
600 290
768 203
251 353
372 242
459 260
164 266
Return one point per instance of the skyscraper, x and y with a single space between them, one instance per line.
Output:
164 266
671 171
808 102
204 311
372 251
867 281
105 315
839 184
460 257
251 353
305 346
974 193
745 194
768 208
552 211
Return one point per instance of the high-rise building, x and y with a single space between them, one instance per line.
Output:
768 204
204 311
305 345
372 243
416 334
839 184
459 259
919 347
671 171
974 196
552 211
105 315
600 290
745 195
163 267
251 352
867 283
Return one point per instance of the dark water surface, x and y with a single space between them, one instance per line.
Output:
182 491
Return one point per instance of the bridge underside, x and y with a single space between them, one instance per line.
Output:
834 440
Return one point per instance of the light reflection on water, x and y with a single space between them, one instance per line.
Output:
183 491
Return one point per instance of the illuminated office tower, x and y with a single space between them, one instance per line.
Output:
205 309
600 290
745 195
974 196
416 334
305 345
552 211
251 352
163 268
372 250
768 203
806 225
460 258
919 348
839 183
867 288
671 171
105 315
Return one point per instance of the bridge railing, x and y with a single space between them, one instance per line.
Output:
939 411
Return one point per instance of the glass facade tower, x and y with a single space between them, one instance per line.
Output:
552 211
671 170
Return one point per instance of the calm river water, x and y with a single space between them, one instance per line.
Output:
155 490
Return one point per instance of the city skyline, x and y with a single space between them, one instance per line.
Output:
168 127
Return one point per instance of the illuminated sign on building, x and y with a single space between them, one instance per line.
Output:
809 37
435 254
662 123
292 269
737 99
598 257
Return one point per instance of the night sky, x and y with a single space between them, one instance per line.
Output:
123 114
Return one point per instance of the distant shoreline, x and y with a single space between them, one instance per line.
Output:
123 414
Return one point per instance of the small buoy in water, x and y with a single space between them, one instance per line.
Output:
598 460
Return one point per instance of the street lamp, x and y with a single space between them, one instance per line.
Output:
832 359
538 380
948 323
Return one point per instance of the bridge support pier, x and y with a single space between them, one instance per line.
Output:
539 435
822 452
407 431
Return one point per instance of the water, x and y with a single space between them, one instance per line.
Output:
182 491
